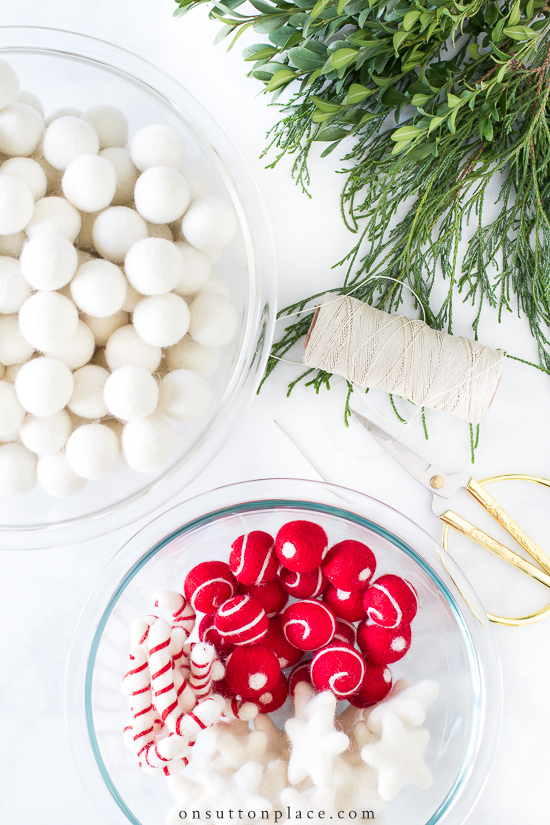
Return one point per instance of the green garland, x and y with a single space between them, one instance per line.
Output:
437 101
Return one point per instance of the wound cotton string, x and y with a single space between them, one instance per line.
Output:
407 358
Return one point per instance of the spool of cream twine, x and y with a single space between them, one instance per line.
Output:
407 358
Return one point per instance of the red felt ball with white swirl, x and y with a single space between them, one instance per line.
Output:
275 639
347 604
300 673
375 686
301 545
303 585
251 671
208 585
383 645
345 632
390 601
338 668
349 565
274 698
209 635
308 624
271 596
252 559
241 620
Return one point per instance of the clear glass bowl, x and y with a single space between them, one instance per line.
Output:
66 69
449 645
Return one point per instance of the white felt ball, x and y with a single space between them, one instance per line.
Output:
199 188
196 269
48 320
79 350
11 409
57 478
9 84
161 194
116 230
157 145
44 386
109 124
89 183
131 393
67 138
48 261
126 348
63 111
16 204
99 288
14 349
12 244
161 320
54 214
21 130
87 399
29 172
147 443
30 99
14 290
92 450
184 395
209 223
103 328
46 434
133 297
188 355
160 230
213 320
53 177
154 266
126 173
85 240
17 470
216 285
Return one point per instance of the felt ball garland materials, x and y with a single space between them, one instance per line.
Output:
383 645
308 624
241 620
376 684
300 673
274 698
346 604
338 668
349 565
390 602
209 585
301 546
287 653
303 585
252 558
271 596
252 670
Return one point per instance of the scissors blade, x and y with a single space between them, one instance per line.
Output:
441 485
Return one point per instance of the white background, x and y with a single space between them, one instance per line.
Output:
41 593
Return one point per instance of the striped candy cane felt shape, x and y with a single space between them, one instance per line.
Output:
183 614
137 687
139 631
239 709
203 716
180 657
165 695
201 660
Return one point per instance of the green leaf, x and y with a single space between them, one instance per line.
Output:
258 51
452 120
519 32
342 5
324 105
407 133
399 147
343 57
357 93
280 78
410 19
420 100
319 8
435 122
265 8
421 152
271 24
488 129
453 100
382 81
515 14
398 39
473 50
332 133
304 59
223 33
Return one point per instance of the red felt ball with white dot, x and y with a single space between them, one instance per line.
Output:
209 635
308 624
241 620
252 559
349 565
275 698
208 585
303 585
300 673
345 632
347 604
301 545
275 639
338 668
390 601
271 596
375 686
251 671
383 645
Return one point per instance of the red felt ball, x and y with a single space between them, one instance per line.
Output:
375 686
251 671
271 596
252 559
274 698
390 601
308 624
301 545
347 604
208 585
275 639
209 635
300 673
338 668
303 585
241 620
349 565
345 632
383 645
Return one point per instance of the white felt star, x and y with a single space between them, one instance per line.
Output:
357 787
408 703
236 751
360 735
398 757
274 781
312 799
315 742
239 790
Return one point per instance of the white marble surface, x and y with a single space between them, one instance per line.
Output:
41 593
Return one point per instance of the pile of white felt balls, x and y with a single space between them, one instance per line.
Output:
110 318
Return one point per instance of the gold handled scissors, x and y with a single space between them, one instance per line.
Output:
443 487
